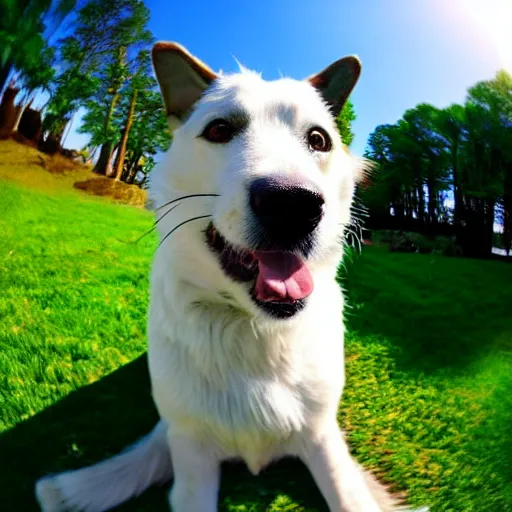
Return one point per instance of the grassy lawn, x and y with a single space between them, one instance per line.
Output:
428 403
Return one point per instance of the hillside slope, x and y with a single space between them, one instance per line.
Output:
27 166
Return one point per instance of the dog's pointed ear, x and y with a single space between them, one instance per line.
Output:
182 79
335 83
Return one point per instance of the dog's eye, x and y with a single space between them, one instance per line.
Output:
319 140
218 131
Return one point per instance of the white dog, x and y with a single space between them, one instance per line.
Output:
245 322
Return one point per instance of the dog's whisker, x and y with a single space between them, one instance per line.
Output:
355 229
358 206
355 211
356 216
359 247
168 211
181 224
356 221
355 236
137 240
355 206
189 196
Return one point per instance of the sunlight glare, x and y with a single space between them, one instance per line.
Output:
495 18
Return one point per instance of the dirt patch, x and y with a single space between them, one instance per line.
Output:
58 164
24 164
55 164
117 190
20 139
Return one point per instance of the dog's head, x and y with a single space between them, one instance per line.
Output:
269 154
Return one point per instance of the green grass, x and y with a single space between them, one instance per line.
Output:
428 403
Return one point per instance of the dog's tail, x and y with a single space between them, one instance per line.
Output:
109 483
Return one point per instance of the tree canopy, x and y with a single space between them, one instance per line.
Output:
447 170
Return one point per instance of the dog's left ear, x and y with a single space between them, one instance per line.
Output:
335 83
182 79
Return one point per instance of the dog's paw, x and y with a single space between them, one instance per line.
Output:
49 495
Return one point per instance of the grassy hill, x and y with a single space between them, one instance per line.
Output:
428 403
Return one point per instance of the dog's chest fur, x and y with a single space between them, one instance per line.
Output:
248 392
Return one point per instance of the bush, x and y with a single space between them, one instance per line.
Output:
416 242
106 187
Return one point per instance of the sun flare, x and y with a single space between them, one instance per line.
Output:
495 18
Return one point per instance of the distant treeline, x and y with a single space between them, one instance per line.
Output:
447 171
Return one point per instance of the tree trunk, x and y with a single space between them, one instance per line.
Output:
421 204
432 203
118 166
507 210
476 234
28 103
126 168
5 71
131 176
103 163
489 227
92 153
60 132
70 124
125 173
460 211
43 108
132 171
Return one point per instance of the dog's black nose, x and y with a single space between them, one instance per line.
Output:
286 208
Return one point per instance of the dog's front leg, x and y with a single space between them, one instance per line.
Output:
337 475
196 476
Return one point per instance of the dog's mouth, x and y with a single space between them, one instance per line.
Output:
281 279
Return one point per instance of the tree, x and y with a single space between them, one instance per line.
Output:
398 182
463 153
72 87
23 26
140 81
431 165
35 78
492 99
344 122
149 134
132 35
106 35
451 124
112 78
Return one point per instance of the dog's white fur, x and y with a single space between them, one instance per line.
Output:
228 380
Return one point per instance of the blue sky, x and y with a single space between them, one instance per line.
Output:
412 51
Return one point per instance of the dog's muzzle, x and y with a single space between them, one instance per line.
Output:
286 213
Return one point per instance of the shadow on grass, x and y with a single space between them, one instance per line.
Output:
101 419
445 322
436 313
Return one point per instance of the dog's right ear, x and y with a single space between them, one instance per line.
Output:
335 83
182 79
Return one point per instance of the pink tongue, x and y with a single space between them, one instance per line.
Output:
282 276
